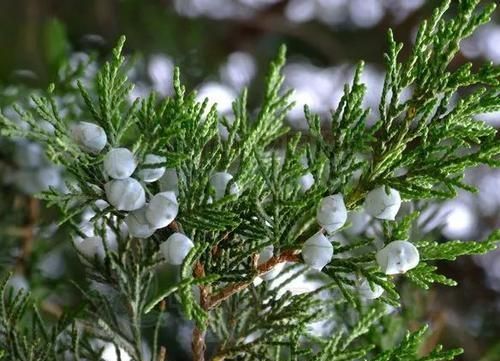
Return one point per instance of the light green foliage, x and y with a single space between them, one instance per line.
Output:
425 136
421 145
348 139
408 350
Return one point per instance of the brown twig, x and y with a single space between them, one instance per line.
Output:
52 309
174 226
27 233
225 293
208 301
198 343
162 355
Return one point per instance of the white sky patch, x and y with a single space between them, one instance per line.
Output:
160 70
239 70
300 10
460 220
218 93
371 13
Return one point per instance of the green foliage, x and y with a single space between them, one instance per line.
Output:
408 350
424 136
424 275
421 145
34 342
350 137
452 249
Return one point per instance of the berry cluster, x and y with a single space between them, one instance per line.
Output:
395 258
127 194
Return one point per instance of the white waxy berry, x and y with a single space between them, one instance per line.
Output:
153 170
332 213
170 181
369 292
112 352
383 205
265 255
219 182
162 209
317 251
137 224
125 194
119 163
306 181
88 230
398 257
91 247
176 248
91 137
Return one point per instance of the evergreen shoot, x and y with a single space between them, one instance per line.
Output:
234 218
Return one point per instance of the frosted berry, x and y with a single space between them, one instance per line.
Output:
332 213
48 177
176 248
369 292
162 209
219 182
149 174
265 255
306 181
91 137
138 225
398 257
125 194
119 163
170 181
383 205
317 251
91 247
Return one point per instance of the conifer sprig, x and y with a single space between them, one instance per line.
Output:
420 145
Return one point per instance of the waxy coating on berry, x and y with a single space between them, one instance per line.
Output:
317 251
89 136
125 194
119 163
382 204
332 213
398 257
176 248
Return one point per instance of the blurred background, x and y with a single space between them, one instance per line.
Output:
222 46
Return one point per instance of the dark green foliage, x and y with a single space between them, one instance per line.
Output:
24 335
